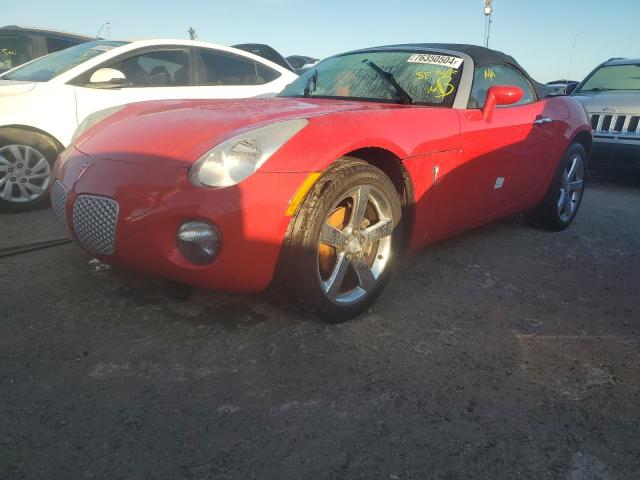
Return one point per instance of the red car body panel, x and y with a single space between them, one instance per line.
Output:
154 203
454 159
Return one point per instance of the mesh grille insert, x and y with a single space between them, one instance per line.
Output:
94 221
59 203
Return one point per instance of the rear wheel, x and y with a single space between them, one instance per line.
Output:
26 161
562 201
342 241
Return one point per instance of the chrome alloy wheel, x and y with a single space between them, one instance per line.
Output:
354 247
571 188
24 173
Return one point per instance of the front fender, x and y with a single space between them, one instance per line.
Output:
405 132
42 109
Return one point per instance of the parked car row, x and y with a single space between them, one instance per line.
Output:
43 102
367 155
213 182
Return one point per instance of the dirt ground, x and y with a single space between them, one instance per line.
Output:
504 353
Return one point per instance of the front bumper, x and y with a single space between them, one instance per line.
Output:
614 153
153 199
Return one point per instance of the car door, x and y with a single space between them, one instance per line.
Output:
151 73
506 157
221 74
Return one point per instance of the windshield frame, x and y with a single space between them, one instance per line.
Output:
578 90
115 44
463 87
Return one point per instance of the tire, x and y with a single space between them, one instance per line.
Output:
26 162
564 196
340 277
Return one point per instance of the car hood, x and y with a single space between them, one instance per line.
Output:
184 130
624 101
15 87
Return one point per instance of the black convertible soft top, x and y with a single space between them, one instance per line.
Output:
481 56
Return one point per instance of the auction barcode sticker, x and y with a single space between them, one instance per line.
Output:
444 60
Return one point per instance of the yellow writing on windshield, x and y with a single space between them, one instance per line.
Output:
443 86
489 74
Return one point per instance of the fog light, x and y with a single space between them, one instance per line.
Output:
199 242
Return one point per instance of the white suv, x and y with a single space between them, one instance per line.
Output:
43 102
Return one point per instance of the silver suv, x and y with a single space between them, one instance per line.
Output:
611 96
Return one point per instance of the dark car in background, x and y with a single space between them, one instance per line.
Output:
561 87
267 52
296 63
611 96
20 44
301 62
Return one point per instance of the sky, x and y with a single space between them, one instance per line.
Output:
551 39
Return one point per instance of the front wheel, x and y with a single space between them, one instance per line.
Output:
564 196
341 243
26 160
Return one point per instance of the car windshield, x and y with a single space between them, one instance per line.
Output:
52 65
615 77
14 50
382 76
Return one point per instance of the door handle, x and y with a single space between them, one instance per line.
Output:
542 120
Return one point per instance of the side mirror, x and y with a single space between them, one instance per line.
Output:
500 95
108 77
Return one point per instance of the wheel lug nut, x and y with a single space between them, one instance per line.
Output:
13 179
23 180
10 170
19 165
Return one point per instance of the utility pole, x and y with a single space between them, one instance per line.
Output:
573 50
192 33
488 10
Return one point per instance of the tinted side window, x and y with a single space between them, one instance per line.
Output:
486 77
14 51
222 69
166 68
55 44
265 74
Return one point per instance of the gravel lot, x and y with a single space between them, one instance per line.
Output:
506 352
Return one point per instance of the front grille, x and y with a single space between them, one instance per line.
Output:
94 222
619 125
59 203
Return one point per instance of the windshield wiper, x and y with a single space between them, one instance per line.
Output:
388 76
313 78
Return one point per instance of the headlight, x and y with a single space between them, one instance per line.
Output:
93 119
235 159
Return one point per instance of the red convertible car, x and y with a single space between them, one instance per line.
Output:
369 154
